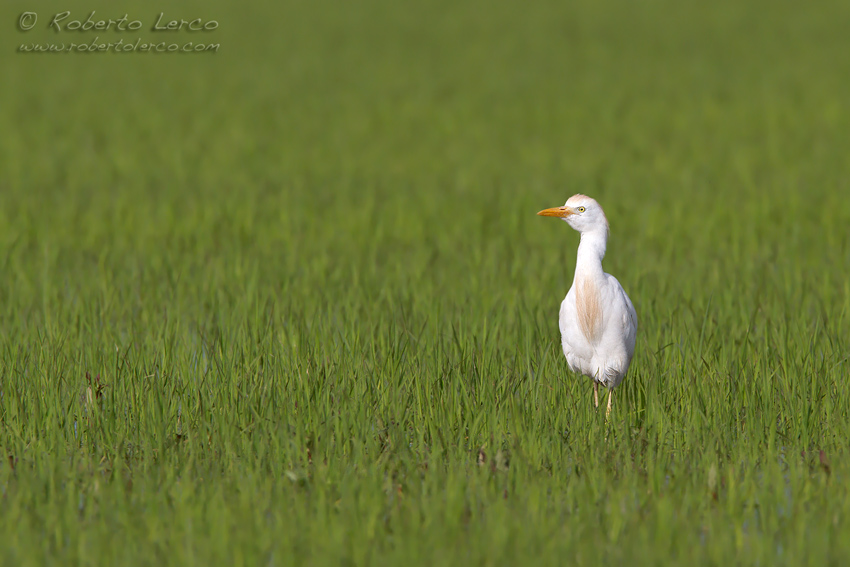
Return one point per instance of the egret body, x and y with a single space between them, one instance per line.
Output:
597 319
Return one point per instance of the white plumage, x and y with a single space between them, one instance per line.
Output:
598 321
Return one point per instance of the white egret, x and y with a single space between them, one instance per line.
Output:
598 321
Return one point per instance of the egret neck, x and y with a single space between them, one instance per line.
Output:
587 282
591 250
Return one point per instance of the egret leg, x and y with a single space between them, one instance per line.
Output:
610 403
596 394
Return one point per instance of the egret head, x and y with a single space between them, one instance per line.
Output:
580 212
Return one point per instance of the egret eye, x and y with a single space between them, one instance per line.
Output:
580 209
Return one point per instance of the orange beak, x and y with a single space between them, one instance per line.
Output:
559 212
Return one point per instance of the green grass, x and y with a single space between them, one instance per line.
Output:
289 304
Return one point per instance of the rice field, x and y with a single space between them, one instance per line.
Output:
288 302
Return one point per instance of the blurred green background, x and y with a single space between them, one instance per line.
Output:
318 314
